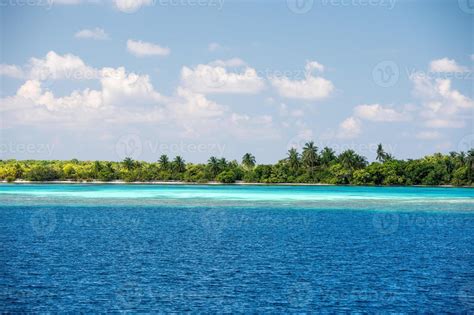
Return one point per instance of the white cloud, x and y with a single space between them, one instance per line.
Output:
11 71
123 97
144 49
428 135
349 128
126 6
379 113
52 67
122 88
96 33
446 65
314 65
442 106
56 67
213 47
64 2
310 88
232 63
195 106
213 78
129 6
244 126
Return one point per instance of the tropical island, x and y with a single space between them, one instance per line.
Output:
311 166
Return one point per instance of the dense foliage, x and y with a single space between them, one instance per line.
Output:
310 166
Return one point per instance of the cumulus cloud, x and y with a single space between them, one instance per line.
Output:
441 105
144 49
129 6
96 33
126 6
232 63
243 126
56 67
310 88
217 78
313 65
122 97
11 71
446 65
379 113
350 128
52 67
191 105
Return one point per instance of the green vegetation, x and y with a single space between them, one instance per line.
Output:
310 166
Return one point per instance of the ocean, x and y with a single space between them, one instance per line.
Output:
235 249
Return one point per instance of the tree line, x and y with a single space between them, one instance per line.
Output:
311 165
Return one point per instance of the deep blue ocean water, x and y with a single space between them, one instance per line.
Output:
273 249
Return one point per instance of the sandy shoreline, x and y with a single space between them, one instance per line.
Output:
121 182
212 183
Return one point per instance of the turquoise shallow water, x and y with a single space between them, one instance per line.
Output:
403 198
223 249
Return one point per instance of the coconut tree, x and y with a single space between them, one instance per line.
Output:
382 156
310 156
351 160
470 164
327 156
178 164
164 162
222 164
293 159
128 163
214 167
248 161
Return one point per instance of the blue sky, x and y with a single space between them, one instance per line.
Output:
108 79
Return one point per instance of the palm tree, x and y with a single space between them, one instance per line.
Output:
310 156
214 167
351 160
327 156
470 164
222 164
178 164
128 163
293 159
382 156
248 160
164 162
97 167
